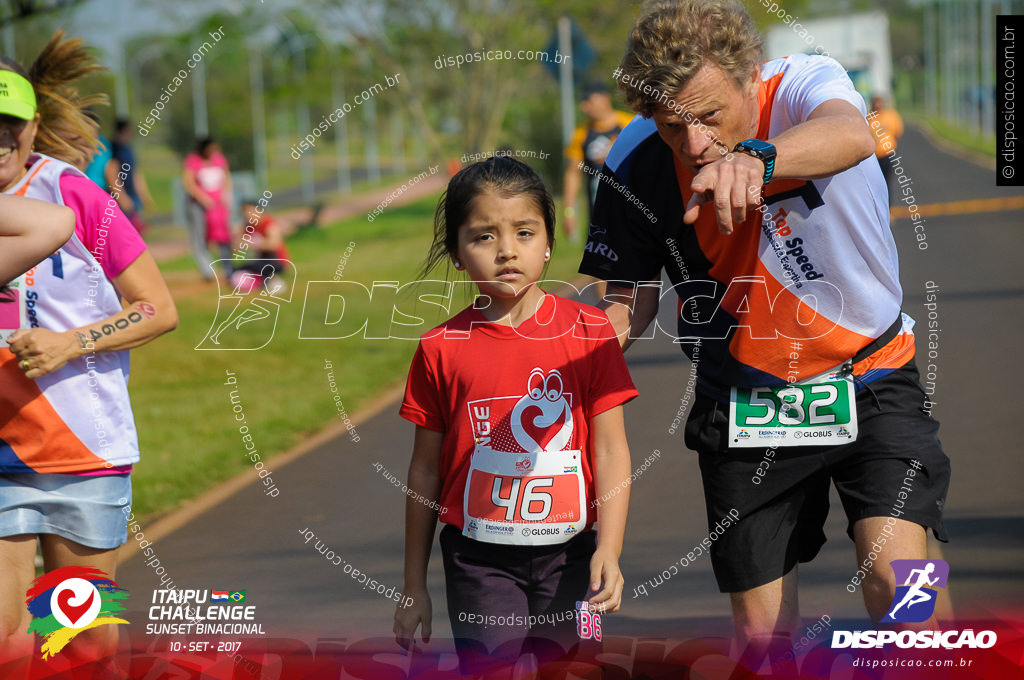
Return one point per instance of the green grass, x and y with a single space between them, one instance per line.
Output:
958 135
162 167
187 429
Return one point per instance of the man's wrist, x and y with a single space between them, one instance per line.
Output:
762 151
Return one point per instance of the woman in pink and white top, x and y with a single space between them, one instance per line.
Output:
67 432
207 181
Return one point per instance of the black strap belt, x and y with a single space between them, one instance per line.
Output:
880 342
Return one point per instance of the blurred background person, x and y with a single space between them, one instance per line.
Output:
207 181
263 240
590 144
134 197
97 168
266 233
887 127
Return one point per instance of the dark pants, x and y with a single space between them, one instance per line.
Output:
885 163
197 240
495 592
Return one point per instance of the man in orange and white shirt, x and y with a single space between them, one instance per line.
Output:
753 186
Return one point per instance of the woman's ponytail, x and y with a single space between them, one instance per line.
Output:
65 129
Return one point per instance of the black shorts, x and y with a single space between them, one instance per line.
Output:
498 595
781 518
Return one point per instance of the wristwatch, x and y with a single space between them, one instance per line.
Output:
761 150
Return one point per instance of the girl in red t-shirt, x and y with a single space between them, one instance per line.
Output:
520 444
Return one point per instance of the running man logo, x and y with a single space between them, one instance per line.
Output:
914 601
246 319
66 601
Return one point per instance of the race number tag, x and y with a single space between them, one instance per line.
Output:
524 498
588 623
804 414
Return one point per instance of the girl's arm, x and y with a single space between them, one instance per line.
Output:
420 522
611 483
30 230
149 312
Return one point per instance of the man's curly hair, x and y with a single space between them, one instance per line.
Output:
672 39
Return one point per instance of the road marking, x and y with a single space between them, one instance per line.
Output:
978 205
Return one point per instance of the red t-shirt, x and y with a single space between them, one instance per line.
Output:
534 388
261 225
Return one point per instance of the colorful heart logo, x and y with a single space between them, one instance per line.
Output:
73 612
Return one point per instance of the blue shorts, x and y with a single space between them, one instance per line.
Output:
83 509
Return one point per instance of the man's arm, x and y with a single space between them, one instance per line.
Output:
631 310
835 137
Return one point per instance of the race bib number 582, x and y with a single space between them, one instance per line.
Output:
809 414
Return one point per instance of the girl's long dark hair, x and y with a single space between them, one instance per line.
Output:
504 176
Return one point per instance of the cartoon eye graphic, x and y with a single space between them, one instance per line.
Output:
535 384
553 386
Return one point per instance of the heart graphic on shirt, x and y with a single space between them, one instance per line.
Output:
73 612
539 431
542 419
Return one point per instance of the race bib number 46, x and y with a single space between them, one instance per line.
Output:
807 414
524 499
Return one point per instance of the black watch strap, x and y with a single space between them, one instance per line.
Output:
761 150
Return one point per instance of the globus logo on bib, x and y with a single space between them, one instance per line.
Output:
547 531
813 433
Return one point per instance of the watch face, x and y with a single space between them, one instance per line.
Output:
758 145
762 150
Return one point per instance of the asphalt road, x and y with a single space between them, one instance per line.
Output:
255 542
